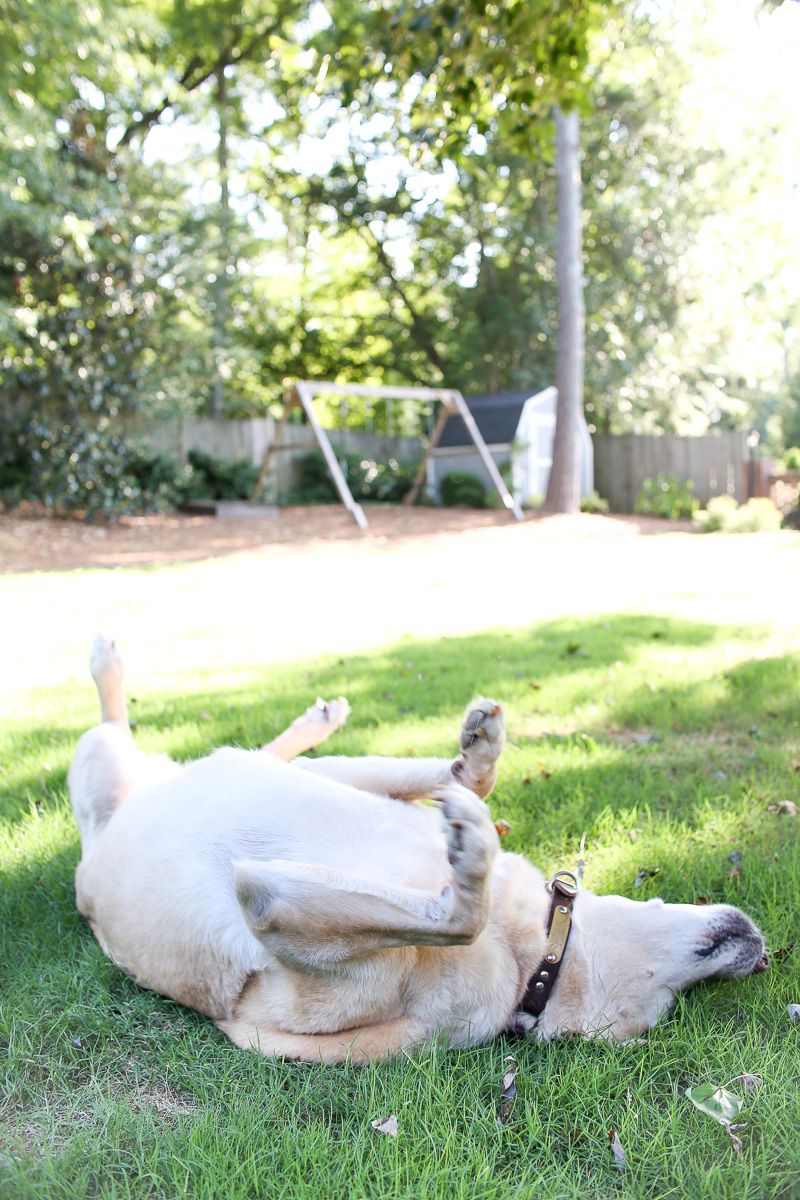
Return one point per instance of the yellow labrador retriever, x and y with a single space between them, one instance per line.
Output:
314 910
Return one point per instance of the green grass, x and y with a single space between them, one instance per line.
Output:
109 1091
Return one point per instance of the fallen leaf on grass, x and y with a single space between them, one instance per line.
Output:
794 1013
645 873
784 808
386 1125
502 827
616 1149
537 687
508 1091
543 771
701 900
715 1102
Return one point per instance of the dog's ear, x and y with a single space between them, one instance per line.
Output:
255 893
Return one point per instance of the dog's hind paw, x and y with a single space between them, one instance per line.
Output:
483 736
472 840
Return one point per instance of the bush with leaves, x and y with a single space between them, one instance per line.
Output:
723 514
367 479
459 487
78 469
790 461
594 503
211 478
666 496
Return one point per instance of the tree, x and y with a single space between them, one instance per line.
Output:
564 484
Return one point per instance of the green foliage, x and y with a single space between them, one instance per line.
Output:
719 514
666 496
211 478
460 487
757 515
724 514
594 503
77 468
367 478
789 460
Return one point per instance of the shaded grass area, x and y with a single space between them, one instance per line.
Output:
114 1092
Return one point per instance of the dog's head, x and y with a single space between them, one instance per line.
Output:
626 961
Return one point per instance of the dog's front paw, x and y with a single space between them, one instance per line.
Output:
472 840
483 736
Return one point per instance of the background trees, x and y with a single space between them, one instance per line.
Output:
200 201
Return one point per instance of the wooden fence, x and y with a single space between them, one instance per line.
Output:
250 437
716 464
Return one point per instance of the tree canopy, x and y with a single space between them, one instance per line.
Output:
201 200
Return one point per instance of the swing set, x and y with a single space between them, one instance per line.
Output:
452 404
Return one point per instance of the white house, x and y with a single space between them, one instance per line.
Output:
519 426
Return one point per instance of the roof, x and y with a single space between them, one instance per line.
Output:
496 414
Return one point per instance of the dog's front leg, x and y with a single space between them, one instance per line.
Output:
314 726
312 916
483 736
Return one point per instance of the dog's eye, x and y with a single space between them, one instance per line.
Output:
715 945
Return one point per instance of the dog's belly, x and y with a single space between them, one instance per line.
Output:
158 882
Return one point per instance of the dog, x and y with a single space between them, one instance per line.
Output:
317 909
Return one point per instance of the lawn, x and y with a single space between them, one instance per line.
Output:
665 741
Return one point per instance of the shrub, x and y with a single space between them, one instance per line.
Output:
756 516
72 469
367 479
594 503
666 496
459 487
719 514
723 514
790 461
218 478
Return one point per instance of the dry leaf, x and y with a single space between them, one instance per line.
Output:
784 808
502 827
386 1125
508 1090
750 1083
537 687
616 1149
645 873
508 1086
701 900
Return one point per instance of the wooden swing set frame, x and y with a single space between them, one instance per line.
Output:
452 402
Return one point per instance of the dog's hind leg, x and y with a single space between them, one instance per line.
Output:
483 736
312 917
314 726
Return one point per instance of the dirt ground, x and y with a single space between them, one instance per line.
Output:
32 541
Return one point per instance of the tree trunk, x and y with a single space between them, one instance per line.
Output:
564 486
219 337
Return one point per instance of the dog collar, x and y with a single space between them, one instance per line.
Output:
563 889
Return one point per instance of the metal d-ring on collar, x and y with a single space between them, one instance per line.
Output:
563 889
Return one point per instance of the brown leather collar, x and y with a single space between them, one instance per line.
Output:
563 888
